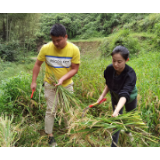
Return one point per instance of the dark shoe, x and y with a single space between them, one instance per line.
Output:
52 142
113 144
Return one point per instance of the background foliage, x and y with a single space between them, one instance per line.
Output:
22 33
86 25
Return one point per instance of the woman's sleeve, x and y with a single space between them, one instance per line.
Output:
129 85
105 75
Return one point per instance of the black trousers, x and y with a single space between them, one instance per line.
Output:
129 107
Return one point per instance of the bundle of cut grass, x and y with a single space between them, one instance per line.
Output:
130 122
68 102
83 127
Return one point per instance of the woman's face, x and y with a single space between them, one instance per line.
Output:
118 63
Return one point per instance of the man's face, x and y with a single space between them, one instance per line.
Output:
59 42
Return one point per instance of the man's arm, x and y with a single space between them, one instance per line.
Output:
71 73
36 70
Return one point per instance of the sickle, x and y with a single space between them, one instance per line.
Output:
32 92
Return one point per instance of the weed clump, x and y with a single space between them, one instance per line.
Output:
15 96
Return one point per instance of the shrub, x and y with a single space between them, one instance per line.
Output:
5 53
9 51
121 38
156 39
15 94
90 33
140 22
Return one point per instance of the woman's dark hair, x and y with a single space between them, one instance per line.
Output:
58 30
121 50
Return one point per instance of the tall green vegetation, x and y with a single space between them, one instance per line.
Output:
17 34
29 31
18 26
123 38
86 25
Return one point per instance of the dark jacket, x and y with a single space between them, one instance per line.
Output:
123 84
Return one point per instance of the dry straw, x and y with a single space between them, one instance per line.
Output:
83 127
68 103
130 122
9 133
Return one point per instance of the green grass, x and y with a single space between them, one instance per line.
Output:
87 40
143 35
88 85
10 69
148 73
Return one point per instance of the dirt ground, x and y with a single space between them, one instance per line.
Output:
84 47
88 47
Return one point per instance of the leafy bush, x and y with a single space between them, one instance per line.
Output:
121 38
156 39
90 33
81 25
129 17
141 22
87 25
9 51
15 94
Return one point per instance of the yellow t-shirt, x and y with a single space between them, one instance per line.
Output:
58 61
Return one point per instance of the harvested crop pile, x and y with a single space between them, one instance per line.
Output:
83 127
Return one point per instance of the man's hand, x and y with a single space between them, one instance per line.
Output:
60 81
36 70
71 73
33 86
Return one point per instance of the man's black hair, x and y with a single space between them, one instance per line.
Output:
58 30
121 50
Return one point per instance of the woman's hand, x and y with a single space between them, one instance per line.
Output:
100 98
105 91
115 113
119 106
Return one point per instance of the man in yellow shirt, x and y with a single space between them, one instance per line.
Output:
62 59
